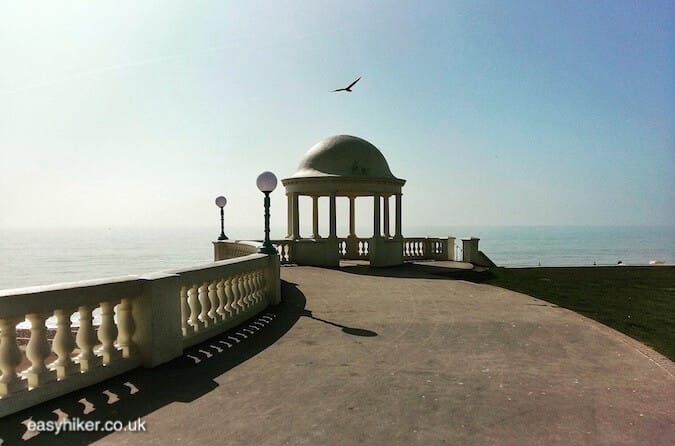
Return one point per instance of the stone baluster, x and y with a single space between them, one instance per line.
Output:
255 295
126 326
10 358
253 288
250 298
241 286
241 301
229 295
238 293
185 313
203 293
213 299
243 292
63 345
222 299
195 308
260 292
107 333
37 351
86 341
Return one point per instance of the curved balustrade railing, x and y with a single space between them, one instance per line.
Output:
230 249
217 298
85 332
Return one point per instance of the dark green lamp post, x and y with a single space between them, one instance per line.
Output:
221 202
267 182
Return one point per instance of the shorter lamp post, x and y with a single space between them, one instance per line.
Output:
267 182
221 202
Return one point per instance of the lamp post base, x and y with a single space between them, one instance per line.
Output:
267 249
223 237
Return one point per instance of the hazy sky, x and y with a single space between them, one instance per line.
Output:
504 113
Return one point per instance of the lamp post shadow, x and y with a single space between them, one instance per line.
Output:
348 330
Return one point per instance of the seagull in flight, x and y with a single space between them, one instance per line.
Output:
349 87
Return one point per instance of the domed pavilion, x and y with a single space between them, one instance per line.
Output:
345 166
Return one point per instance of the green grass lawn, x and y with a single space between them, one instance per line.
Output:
637 301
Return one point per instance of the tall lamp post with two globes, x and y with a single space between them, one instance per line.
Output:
221 202
266 183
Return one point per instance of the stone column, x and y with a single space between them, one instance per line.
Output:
398 216
376 217
289 209
352 217
296 217
332 216
386 216
315 217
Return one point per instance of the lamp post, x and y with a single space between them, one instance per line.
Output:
221 202
267 182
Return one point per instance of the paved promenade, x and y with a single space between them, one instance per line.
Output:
402 356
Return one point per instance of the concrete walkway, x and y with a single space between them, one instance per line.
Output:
399 356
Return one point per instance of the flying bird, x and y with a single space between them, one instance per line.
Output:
349 87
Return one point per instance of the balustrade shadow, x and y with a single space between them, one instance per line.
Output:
141 391
411 270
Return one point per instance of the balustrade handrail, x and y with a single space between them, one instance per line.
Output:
43 298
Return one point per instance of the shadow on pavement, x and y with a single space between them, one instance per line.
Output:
348 330
418 271
141 391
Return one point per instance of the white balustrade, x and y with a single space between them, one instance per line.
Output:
138 323
230 249
225 296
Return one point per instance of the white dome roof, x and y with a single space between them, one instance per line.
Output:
343 156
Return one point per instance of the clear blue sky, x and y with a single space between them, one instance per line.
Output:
497 113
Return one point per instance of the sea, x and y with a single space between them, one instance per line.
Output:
30 257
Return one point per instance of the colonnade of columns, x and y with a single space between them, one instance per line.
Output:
294 216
